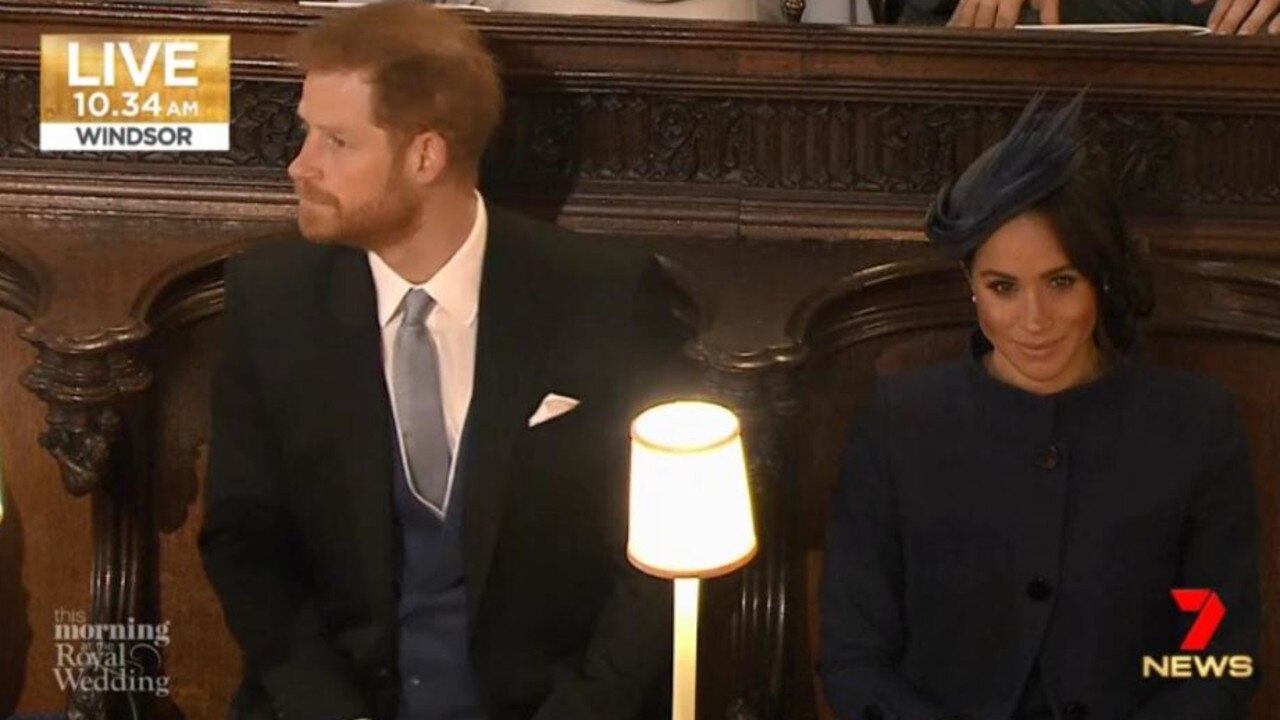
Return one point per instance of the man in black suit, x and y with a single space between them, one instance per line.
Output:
416 504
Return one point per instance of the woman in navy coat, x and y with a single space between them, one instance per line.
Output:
1008 527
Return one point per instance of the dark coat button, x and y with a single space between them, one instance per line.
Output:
872 712
1076 709
1049 458
1039 589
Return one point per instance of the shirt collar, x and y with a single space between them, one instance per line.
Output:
456 285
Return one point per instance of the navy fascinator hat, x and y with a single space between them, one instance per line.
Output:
1030 163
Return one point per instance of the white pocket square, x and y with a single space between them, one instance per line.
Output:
552 407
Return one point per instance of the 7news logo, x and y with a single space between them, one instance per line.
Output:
1209 613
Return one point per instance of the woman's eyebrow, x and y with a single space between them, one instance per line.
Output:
1055 271
1046 273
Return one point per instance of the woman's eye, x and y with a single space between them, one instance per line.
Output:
1062 282
1001 287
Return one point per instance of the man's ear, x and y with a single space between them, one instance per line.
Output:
427 157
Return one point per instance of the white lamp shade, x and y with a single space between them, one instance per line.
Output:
690 503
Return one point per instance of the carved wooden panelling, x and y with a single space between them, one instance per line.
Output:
1163 158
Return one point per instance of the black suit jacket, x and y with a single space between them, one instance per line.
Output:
979 529
299 538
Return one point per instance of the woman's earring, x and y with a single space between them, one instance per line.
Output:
973 299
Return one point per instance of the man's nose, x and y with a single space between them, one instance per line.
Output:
302 165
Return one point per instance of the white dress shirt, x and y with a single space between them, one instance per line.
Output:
451 325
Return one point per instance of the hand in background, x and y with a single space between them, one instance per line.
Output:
1004 13
1243 17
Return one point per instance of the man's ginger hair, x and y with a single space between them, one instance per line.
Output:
428 67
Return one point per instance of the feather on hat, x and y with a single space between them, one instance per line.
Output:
1028 165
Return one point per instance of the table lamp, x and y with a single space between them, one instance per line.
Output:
690 516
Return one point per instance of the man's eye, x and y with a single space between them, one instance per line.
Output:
337 142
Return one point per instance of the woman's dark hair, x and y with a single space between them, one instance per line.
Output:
1089 224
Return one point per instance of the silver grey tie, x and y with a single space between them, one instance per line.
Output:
416 377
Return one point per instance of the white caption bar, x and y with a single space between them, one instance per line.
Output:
105 137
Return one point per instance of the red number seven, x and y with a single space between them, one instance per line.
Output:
1211 611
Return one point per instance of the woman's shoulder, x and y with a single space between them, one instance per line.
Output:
1189 409
1185 410
1179 390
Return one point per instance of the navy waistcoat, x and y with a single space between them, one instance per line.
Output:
436 678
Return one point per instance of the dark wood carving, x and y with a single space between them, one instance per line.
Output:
1162 158
86 385
760 645
784 171
83 388
1237 299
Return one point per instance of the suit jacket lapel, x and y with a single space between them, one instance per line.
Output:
519 303
359 406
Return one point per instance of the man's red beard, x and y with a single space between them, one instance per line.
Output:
368 226
313 195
